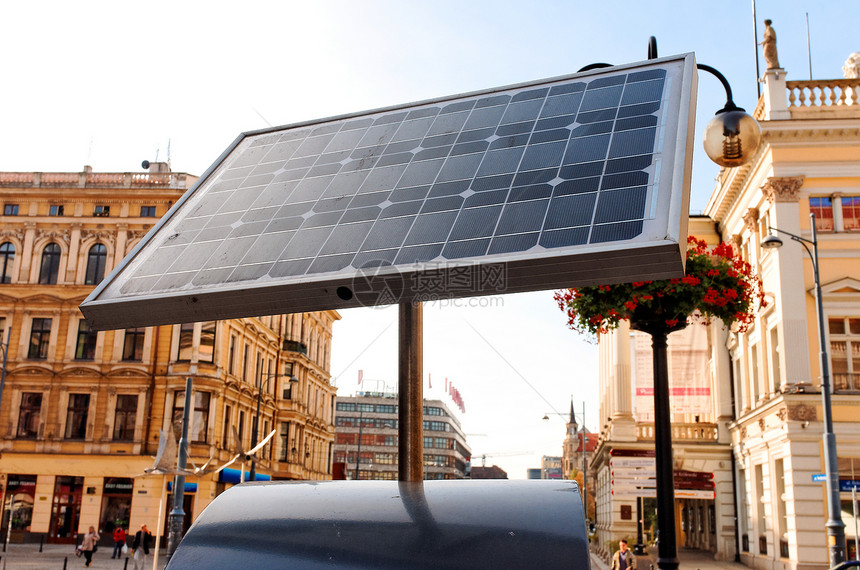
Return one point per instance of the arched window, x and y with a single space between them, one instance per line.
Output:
96 261
50 264
7 256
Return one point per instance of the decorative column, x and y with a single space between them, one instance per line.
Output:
790 286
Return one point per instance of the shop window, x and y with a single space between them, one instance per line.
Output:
40 336
96 261
76 416
22 490
50 266
197 430
116 504
29 415
7 257
125 417
85 348
132 347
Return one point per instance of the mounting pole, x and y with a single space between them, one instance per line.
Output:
411 397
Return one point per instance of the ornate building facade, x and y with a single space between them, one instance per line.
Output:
81 411
809 163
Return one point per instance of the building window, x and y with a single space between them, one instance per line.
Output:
245 362
851 213
284 443
76 416
101 211
241 431
132 347
7 256
822 207
125 417
845 352
197 430
96 261
85 349
186 341
10 209
29 415
55 210
231 355
228 418
50 267
207 342
40 337
147 211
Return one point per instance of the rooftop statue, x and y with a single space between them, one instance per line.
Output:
769 46
851 69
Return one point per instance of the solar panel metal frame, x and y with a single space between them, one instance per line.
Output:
660 254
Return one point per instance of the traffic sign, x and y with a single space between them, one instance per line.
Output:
683 474
632 462
818 477
627 495
692 494
633 472
633 487
631 453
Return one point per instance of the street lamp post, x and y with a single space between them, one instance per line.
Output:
176 519
835 526
252 476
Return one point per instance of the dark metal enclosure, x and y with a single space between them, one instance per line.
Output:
390 524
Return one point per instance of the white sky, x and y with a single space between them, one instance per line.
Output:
110 84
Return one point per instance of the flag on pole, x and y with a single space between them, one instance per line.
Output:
429 381
360 376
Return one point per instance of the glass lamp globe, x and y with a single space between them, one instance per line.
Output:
732 138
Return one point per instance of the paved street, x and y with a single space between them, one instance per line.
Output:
63 556
690 560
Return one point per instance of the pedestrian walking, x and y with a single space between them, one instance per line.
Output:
89 545
140 547
623 558
118 541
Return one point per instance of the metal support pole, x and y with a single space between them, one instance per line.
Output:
835 526
177 515
411 398
667 551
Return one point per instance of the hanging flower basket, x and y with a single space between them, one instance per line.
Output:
716 285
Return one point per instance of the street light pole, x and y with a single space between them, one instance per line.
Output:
176 519
835 526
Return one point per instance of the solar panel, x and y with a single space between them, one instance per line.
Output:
576 180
